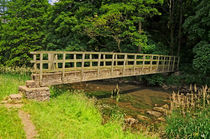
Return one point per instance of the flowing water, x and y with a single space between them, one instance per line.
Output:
134 100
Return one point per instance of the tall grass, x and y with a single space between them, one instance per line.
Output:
74 116
190 117
9 83
10 124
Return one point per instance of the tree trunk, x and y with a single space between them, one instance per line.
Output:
180 28
118 45
171 19
140 31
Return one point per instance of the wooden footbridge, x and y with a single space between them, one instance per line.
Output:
52 68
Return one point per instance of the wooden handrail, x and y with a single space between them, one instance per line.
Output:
62 61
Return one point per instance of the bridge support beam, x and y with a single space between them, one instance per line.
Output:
33 91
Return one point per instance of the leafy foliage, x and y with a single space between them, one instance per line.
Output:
23 31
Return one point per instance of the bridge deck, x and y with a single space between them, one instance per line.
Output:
51 68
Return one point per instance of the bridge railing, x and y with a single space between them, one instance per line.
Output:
53 61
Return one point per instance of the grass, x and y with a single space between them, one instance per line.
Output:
10 125
9 84
67 115
73 115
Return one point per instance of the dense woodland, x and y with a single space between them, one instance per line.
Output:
172 27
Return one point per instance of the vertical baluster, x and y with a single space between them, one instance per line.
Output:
99 63
56 61
124 63
151 60
164 61
134 67
144 56
104 59
91 63
35 62
75 62
83 64
158 60
113 57
41 68
63 66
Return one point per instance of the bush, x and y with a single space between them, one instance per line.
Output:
154 80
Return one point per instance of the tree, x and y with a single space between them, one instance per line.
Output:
122 21
197 27
23 31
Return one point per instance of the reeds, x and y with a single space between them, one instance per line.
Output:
196 99
15 70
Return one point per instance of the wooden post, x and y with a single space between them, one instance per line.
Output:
41 68
91 64
164 61
104 59
113 57
134 67
63 66
56 61
50 61
169 63
83 64
151 60
99 63
75 63
143 63
35 62
116 59
124 63
158 63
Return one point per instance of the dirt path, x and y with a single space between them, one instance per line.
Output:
29 127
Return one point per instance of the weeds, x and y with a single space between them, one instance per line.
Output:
189 114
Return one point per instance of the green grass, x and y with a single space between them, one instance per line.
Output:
9 84
66 116
72 116
10 124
